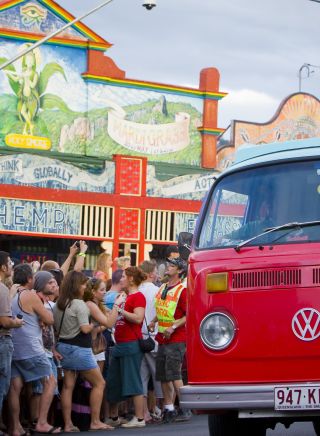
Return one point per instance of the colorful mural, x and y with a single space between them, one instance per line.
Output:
32 16
43 172
298 117
187 187
46 104
32 170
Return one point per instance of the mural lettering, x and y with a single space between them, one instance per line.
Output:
150 139
53 172
39 217
9 165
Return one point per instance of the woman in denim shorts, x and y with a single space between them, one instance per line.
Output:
71 318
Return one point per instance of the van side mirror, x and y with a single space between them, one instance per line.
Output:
184 244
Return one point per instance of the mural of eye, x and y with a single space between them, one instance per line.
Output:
32 15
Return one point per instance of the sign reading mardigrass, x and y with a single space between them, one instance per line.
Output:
149 139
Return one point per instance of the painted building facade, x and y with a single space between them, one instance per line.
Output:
297 117
85 152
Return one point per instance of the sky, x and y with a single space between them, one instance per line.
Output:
258 46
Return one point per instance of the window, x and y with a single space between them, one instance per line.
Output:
246 203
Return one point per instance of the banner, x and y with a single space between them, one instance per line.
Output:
150 138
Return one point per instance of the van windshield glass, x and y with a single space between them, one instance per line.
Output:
246 203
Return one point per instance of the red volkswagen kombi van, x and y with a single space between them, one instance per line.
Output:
253 325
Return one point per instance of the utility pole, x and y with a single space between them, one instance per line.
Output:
53 34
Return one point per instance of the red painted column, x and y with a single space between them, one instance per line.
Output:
209 82
100 65
131 181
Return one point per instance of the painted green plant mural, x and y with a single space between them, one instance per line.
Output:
29 87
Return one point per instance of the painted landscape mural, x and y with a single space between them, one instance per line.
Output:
46 103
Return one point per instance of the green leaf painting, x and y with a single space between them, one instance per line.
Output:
29 87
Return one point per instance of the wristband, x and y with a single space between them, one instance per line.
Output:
82 254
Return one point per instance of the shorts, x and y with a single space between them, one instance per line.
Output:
32 369
169 361
6 350
76 358
37 386
124 379
100 357
148 372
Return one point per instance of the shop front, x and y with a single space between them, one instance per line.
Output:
90 154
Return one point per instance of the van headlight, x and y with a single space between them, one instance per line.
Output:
217 331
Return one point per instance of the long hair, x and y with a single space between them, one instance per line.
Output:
93 285
136 273
102 263
69 289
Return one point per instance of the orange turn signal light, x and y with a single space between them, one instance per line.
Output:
217 282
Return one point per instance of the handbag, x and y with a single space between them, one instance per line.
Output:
99 343
148 344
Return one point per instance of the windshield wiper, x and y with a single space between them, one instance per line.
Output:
274 229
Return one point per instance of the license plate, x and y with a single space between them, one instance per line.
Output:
305 397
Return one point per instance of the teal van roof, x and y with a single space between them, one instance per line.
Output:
277 150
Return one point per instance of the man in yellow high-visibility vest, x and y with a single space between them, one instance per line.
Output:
170 304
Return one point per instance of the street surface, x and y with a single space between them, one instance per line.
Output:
198 426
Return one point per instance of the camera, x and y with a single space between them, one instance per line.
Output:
149 4
77 244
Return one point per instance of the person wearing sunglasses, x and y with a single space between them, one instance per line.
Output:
170 305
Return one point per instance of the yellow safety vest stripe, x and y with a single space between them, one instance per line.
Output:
165 309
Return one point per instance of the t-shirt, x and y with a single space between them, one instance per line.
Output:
5 307
149 290
110 298
76 315
179 335
48 332
126 331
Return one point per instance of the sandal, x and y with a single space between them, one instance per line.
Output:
73 429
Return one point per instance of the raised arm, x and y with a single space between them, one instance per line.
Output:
66 265
79 265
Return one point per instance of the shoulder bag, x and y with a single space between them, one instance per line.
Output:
99 343
148 344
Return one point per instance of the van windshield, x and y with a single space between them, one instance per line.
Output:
246 203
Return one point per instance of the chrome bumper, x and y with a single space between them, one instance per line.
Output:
227 397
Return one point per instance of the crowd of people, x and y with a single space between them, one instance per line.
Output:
62 331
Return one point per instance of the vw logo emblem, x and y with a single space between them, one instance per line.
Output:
306 324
